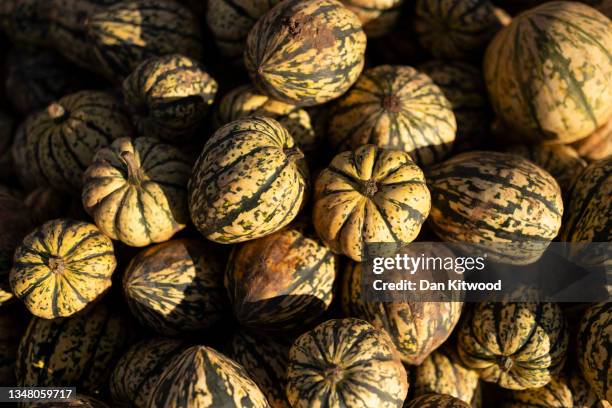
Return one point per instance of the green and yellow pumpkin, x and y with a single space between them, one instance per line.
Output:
305 52
280 282
61 267
127 33
249 181
169 96
516 345
378 17
202 377
436 401
549 73
492 198
596 146
395 107
11 328
369 195
176 287
139 369
136 190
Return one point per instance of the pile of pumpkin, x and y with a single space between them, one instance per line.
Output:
189 186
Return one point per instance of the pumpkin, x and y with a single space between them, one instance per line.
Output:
436 401
61 267
139 368
135 190
516 345
416 328
202 377
26 22
594 345
231 20
489 198
245 101
78 401
265 359
169 96
377 16
280 282
305 52
549 74
596 146
176 286
54 146
345 363
6 140
11 329
369 195
249 181
395 107
127 33
76 351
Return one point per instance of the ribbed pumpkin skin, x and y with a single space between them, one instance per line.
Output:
169 96
377 16
77 351
598 145
369 195
516 345
176 287
345 363
231 20
245 101
594 345
395 107
488 197
280 282
202 377
558 48
138 370
78 401
305 52
135 190
55 146
436 401
61 267
127 33
249 181
416 328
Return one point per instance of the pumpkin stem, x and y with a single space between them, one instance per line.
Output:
369 188
294 154
391 103
507 364
134 174
57 112
334 374
56 264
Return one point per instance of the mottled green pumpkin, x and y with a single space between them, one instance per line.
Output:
516 345
345 363
305 52
12 325
136 190
377 16
176 287
169 96
596 146
436 401
202 377
594 348
395 107
249 181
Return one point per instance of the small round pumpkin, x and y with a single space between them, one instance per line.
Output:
136 190
395 107
249 181
369 195
345 363
305 52
176 287
169 96
377 16
436 401
598 145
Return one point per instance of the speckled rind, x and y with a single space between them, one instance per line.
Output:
436 401
377 16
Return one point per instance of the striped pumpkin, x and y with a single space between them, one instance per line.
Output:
516 345
596 146
169 96
305 52
61 267
416 328
127 33
55 146
496 198
594 345
280 282
436 401
77 351
549 73
78 401
245 101
395 107
377 16
139 369
345 363
176 287
249 181
265 359
369 195
135 190
202 377
11 328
